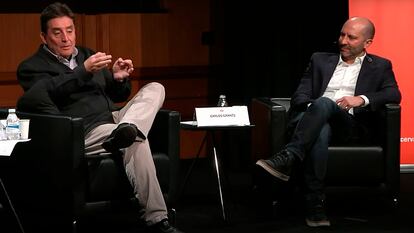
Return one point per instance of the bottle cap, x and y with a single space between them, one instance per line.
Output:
12 110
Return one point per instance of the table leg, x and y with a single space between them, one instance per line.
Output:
219 178
190 170
216 163
217 170
11 206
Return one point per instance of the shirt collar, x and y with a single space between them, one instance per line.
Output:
60 58
358 60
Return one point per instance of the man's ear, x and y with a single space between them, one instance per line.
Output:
43 37
368 42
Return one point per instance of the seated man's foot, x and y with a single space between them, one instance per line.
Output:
164 227
121 137
315 214
279 165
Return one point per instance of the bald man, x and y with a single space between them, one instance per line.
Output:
335 102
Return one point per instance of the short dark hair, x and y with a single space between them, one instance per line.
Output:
54 10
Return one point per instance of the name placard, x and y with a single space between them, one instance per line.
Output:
222 116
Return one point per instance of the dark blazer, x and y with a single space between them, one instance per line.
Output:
376 81
52 87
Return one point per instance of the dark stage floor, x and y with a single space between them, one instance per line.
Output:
198 209
349 210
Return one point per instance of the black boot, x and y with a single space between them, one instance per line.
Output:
164 227
279 165
315 212
122 137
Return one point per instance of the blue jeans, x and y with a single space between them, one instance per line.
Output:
315 128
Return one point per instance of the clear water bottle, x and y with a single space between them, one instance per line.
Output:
12 126
2 132
222 102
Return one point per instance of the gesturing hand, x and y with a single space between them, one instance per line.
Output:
122 69
97 62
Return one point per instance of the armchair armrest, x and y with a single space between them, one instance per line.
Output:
50 134
165 132
164 138
392 123
270 120
47 168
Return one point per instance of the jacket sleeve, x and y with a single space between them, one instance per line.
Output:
303 94
37 100
117 91
387 89
59 81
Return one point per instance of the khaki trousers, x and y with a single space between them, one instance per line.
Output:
138 161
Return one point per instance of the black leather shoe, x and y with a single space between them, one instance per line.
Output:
315 214
121 137
164 227
279 165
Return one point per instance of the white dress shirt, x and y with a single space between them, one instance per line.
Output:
344 80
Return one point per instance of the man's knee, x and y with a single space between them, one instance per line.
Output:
156 87
324 103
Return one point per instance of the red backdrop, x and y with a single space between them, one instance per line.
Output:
394 39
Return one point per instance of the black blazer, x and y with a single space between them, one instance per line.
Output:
376 81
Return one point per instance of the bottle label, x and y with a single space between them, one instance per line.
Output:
13 126
13 131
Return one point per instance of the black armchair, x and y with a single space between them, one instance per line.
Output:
50 177
368 166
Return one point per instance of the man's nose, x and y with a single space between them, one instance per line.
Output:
64 36
343 40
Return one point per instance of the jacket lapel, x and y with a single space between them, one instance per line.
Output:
328 72
363 81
